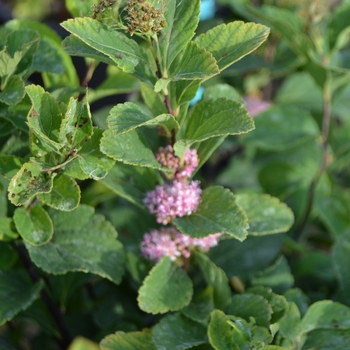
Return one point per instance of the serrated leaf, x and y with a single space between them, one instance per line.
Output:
65 194
222 91
210 119
83 241
181 21
216 278
325 314
35 225
251 305
230 42
76 124
201 306
130 148
10 165
279 128
128 116
228 332
14 91
177 332
166 288
266 214
129 341
7 230
217 213
16 293
81 343
194 63
114 44
8 64
326 339
27 183
277 276
45 117
92 161
131 183
70 76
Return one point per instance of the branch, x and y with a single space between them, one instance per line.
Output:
327 112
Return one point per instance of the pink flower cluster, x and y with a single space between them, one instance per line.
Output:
170 242
177 198
167 158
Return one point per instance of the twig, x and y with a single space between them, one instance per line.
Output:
327 111
66 338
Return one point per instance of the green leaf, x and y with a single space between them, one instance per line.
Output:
8 256
278 303
16 293
181 22
289 324
201 306
128 116
266 214
83 241
130 148
194 63
76 124
7 230
166 288
129 341
278 276
210 119
92 161
113 44
217 213
27 183
124 52
152 100
340 254
34 225
300 90
79 8
289 24
326 339
14 91
251 305
45 117
228 332
230 42
178 332
8 64
65 194
325 314
279 128
70 76
214 92
81 343
75 47
48 59
216 278
131 183
9 165
253 254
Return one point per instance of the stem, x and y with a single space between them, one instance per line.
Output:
327 112
66 338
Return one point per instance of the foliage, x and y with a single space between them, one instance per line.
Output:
175 220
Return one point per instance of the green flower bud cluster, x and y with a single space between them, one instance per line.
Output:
143 18
101 7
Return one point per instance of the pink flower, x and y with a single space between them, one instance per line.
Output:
190 164
167 158
173 199
168 241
